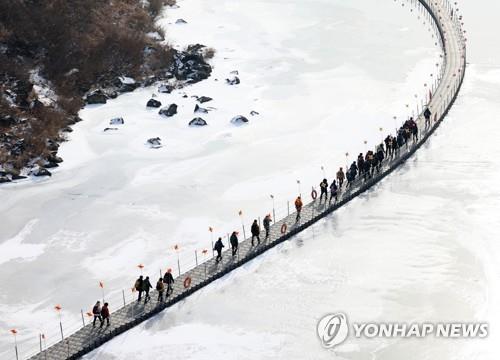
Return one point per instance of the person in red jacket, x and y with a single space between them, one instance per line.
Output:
105 314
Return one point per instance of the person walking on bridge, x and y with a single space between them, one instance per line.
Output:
96 311
340 177
105 314
298 207
324 190
218 247
160 287
146 286
267 224
234 243
169 280
255 229
138 287
427 116
333 191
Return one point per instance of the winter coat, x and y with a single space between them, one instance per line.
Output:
255 229
234 239
138 284
105 312
160 286
218 245
96 310
267 222
168 278
298 204
146 285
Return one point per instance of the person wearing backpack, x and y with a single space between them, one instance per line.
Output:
138 287
105 314
160 287
96 311
169 280
146 285
324 190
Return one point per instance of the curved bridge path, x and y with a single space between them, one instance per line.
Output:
448 23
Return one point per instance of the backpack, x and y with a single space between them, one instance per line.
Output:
159 286
137 285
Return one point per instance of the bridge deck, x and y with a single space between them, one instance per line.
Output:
88 338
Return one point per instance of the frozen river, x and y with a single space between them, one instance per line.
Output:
324 75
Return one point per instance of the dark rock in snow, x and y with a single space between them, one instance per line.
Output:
166 88
40 171
233 81
181 21
117 121
112 94
96 97
52 145
234 72
18 177
154 142
67 129
153 103
253 113
204 99
239 120
54 158
184 96
198 109
4 179
50 165
127 84
198 122
110 128
190 65
169 111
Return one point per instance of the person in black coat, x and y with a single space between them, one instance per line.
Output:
255 229
267 224
218 247
146 286
427 116
324 190
333 191
234 243
169 280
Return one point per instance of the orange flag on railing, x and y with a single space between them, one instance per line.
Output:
140 266
58 307
13 331
210 229
101 284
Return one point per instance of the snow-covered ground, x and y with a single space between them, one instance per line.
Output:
324 76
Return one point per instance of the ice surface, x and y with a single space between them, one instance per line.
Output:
324 76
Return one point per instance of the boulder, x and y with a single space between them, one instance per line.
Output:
169 111
127 84
50 165
239 120
198 109
67 129
234 72
54 158
165 88
254 113
96 97
198 122
109 128
154 142
40 171
189 65
153 103
117 121
181 21
204 99
4 179
52 145
233 80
